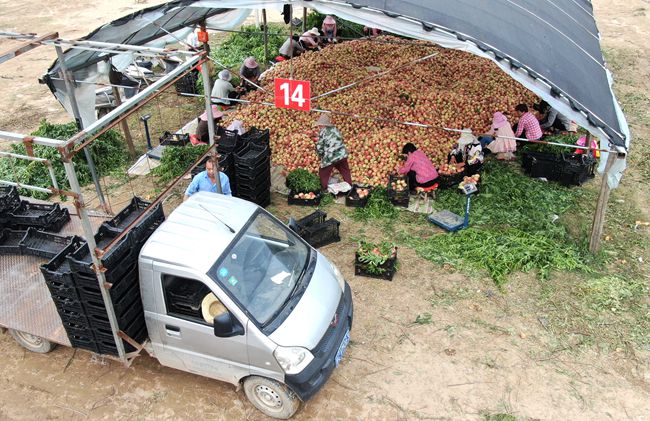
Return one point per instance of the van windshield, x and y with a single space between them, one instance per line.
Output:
262 267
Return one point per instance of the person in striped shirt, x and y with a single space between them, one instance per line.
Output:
528 125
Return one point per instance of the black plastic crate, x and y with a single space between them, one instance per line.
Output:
185 297
352 198
254 174
389 267
127 215
402 201
258 137
470 170
254 190
319 235
303 202
100 320
141 231
9 199
83 342
174 139
228 142
43 244
69 316
57 270
106 344
120 253
450 181
89 288
576 169
65 301
251 155
97 306
314 218
10 241
59 221
35 215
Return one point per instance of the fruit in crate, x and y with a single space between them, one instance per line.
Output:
474 179
305 196
399 185
362 193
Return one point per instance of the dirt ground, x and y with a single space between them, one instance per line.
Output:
484 352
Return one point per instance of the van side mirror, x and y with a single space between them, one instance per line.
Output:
226 326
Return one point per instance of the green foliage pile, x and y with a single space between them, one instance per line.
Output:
108 152
176 160
302 181
250 42
378 206
566 139
516 224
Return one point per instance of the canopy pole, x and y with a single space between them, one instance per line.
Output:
207 92
77 115
304 20
601 207
125 124
266 37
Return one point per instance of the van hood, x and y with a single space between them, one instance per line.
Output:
313 314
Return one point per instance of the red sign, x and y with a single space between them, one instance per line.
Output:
294 94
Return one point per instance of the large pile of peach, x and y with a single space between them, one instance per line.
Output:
453 89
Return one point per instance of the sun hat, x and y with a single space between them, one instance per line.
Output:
225 75
314 31
211 307
215 114
499 120
250 62
329 20
324 120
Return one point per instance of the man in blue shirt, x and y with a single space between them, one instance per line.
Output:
206 181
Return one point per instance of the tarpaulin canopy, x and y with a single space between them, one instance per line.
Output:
551 46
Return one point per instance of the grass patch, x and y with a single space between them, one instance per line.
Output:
514 227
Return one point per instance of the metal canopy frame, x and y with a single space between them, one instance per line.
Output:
68 148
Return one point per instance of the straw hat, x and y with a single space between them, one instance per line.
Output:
225 75
329 20
314 31
324 120
211 307
215 114
499 120
250 63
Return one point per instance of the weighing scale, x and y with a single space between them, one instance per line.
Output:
450 221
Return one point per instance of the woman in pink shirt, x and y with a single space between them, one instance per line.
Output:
418 167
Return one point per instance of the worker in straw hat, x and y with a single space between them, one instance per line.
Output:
331 151
249 72
310 39
202 131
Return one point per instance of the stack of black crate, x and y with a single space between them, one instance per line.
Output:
253 167
75 288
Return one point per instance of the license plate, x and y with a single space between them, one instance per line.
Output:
341 351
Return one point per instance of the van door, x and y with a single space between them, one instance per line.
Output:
182 338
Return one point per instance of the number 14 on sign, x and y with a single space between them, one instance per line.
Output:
294 94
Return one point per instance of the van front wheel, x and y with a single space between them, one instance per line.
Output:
271 397
32 342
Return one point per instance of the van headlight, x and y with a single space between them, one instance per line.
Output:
292 359
339 277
